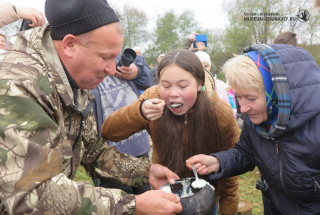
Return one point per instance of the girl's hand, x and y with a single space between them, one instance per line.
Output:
152 109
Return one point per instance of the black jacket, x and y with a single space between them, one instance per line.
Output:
287 156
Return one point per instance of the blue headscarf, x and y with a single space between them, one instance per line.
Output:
271 97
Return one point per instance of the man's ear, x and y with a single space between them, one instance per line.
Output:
69 44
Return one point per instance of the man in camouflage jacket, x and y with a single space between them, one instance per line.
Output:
47 129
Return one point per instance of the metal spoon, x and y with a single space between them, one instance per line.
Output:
194 171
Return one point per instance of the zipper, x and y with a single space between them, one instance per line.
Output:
75 142
316 184
84 115
278 152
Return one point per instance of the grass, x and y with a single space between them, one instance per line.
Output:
81 175
247 190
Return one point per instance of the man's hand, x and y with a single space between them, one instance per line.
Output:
152 109
127 72
205 164
160 175
31 14
157 202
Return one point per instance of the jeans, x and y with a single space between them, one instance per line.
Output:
214 210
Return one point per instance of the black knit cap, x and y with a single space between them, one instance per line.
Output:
77 16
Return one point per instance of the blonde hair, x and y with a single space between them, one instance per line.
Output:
242 73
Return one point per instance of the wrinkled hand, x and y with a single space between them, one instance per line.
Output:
31 14
200 46
204 164
157 202
160 175
127 72
152 109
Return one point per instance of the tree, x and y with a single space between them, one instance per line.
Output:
253 19
135 23
236 38
187 24
166 35
170 33
309 32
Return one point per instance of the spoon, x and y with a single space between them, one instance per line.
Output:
198 183
194 171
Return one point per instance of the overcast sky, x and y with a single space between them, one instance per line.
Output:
207 12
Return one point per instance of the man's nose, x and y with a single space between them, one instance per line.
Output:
110 69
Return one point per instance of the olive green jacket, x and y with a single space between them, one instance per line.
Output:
45 136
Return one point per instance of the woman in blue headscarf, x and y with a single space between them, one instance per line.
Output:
278 88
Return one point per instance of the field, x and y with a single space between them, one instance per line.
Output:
247 190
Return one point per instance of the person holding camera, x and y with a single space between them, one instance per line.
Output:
192 44
11 13
118 91
47 123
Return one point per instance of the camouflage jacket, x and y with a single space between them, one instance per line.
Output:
44 137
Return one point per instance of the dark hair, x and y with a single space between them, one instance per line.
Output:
287 37
185 59
197 132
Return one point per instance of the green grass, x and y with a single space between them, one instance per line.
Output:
247 190
81 175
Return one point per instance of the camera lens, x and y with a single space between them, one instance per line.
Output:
127 57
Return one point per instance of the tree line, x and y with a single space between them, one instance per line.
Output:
249 22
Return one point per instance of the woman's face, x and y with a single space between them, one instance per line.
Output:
3 43
178 88
253 103
206 66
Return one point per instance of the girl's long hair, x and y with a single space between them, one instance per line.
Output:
196 132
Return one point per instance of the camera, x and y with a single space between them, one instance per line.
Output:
126 58
25 25
200 38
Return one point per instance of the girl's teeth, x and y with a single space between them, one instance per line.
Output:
175 105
